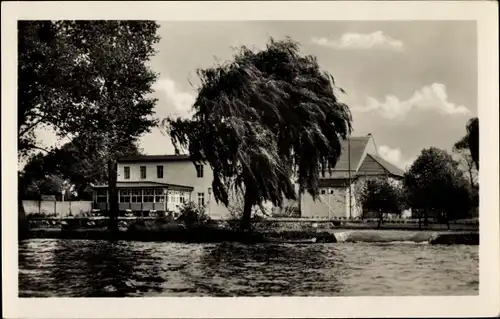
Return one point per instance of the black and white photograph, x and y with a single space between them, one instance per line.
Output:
253 157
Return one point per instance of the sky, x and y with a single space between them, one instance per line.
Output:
411 84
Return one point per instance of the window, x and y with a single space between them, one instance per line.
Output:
159 171
172 197
143 172
101 196
201 199
331 190
323 192
149 195
124 196
183 198
136 196
199 171
159 195
126 172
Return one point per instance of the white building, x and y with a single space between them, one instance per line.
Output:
162 183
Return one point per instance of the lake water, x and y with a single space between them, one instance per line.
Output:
84 268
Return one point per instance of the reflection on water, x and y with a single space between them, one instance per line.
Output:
84 268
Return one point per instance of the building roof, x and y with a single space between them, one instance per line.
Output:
358 148
144 184
154 158
392 169
370 164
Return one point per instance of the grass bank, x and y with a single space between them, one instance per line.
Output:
402 225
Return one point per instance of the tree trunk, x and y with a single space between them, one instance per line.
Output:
22 222
380 219
246 219
420 220
300 201
113 197
471 177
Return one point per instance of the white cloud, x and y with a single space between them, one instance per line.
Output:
360 41
174 102
394 156
178 102
429 98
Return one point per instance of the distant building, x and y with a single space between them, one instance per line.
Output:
334 193
164 182
161 183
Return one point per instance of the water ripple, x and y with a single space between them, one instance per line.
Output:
82 268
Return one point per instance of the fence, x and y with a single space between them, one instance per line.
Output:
56 208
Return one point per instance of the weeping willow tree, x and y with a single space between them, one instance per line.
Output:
264 121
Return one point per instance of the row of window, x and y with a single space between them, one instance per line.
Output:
151 196
159 171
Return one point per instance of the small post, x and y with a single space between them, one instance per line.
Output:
62 208
165 200
329 203
349 164
209 199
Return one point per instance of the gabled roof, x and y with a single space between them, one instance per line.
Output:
370 164
392 169
358 147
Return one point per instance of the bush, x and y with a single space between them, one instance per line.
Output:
193 215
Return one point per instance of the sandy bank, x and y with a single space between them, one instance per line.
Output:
374 236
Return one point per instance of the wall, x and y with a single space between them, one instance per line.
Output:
57 208
326 205
339 201
182 172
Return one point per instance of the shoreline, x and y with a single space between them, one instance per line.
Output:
217 235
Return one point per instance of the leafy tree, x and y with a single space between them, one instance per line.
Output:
48 185
436 186
86 78
81 165
382 197
467 165
261 120
471 140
